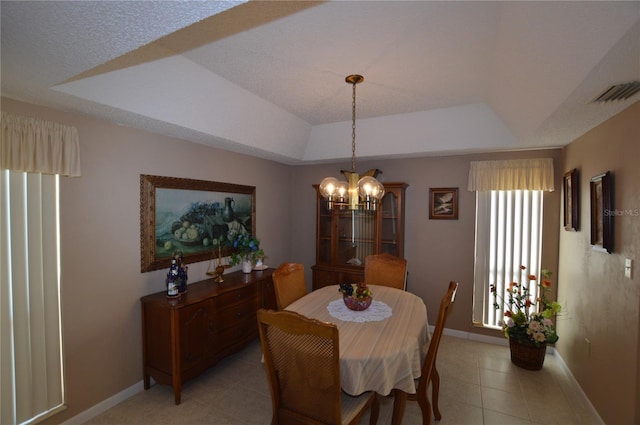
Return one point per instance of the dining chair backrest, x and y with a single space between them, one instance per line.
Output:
386 270
429 372
302 360
289 284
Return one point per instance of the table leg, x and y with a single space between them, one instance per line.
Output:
399 403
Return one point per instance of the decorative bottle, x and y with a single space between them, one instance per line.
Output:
182 279
172 277
179 270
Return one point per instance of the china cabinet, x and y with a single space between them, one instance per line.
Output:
345 237
184 336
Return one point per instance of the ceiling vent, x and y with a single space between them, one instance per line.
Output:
619 92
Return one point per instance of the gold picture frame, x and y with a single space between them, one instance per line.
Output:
196 217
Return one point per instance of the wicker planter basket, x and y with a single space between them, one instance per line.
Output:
527 356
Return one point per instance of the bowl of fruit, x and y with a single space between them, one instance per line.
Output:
356 296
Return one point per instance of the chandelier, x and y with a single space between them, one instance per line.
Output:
356 192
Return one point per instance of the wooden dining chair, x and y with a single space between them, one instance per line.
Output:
429 372
289 284
386 270
302 361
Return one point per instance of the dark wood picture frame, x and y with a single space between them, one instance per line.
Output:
443 203
601 190
571 200
196 217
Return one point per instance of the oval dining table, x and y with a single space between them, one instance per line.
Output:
381 348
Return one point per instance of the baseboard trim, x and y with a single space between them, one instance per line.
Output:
575 383
105 405
481 338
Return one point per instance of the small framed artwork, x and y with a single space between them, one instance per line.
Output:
601 191
443 203
571 201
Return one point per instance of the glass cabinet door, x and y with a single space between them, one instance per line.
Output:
389 226
324 233
356 236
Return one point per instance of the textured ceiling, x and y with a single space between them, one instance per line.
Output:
267 78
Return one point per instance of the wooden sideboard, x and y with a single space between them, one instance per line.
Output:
182 337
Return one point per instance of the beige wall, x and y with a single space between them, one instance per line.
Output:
601 304
101 278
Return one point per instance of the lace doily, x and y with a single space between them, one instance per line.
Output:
376 312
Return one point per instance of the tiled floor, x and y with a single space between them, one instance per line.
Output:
479 385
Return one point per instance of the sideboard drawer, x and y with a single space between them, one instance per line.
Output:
239 311
236 296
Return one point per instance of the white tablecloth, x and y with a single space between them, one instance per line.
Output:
376 355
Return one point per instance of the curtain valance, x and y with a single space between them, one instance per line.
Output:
513 174
34 145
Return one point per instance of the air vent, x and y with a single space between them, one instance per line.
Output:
619 92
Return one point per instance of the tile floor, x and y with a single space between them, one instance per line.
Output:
479 385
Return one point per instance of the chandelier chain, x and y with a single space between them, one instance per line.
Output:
353 130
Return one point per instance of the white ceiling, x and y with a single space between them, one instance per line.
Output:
267 78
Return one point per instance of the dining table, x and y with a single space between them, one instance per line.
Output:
381 348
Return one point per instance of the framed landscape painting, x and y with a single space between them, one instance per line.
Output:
196 217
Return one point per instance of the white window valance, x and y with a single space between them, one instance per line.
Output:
34 145
513 174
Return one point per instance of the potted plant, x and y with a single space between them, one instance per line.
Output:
247 251
528 325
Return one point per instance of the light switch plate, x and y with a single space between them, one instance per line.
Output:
627 268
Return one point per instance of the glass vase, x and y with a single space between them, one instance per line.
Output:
247 265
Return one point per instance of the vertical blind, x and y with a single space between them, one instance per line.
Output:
32 383
508 235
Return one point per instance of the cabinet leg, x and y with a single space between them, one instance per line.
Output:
146 381
176 393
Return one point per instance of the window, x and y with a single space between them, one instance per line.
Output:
34 154
30 335
508 235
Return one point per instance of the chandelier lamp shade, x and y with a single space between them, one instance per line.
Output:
355 193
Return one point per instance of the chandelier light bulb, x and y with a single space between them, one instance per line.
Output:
328 186
370 187
342 189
